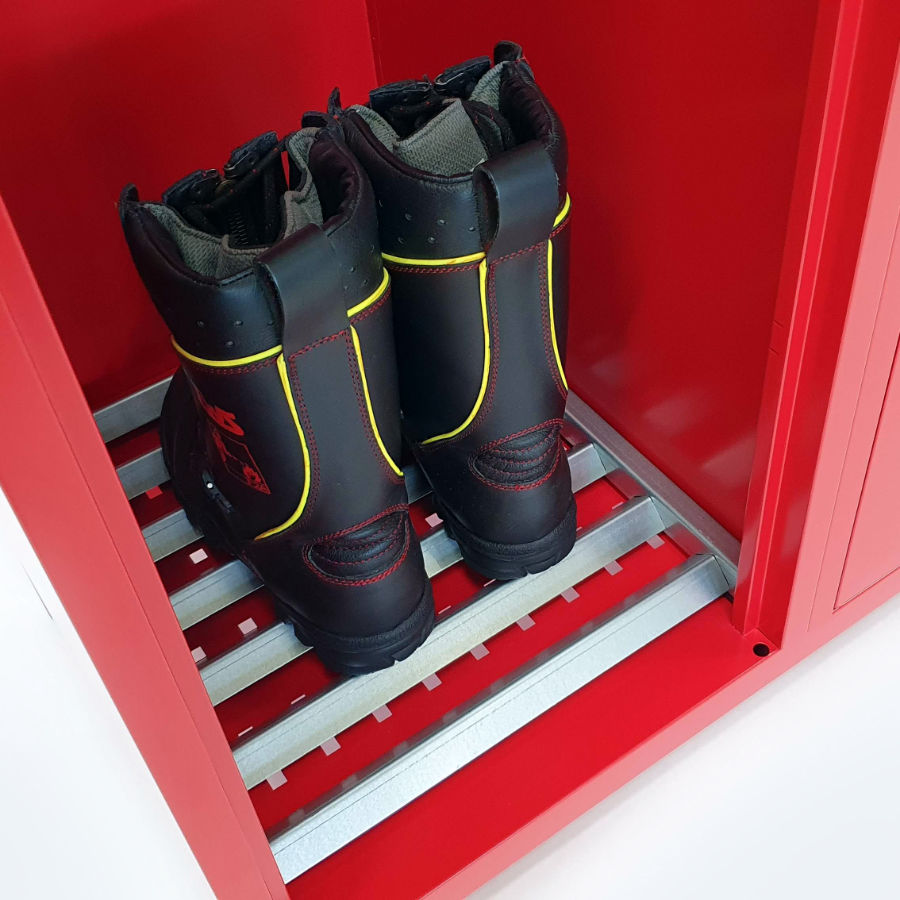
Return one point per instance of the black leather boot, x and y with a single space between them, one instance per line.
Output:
470 175
281 429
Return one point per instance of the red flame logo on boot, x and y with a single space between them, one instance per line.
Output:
235 455
221 417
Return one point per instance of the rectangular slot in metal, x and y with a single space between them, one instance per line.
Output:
498 714
131 412
490 612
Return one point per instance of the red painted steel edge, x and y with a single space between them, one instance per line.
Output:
654 747
819 351
59 480
453 839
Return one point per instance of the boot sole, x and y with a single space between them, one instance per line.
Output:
505 562
348 655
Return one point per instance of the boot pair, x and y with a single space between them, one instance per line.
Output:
411 254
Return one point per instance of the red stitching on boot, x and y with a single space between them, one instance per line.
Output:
237 370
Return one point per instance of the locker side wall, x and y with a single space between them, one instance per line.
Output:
101 93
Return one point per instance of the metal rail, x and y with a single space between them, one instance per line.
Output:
170 533
497 714
254 659
212 592
493 610
131 412
142 473
680 513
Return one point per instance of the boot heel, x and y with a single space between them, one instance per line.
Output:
361 655
505 562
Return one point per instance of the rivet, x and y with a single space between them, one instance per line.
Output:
407 216
229 345
441 222
238 322
201 324
430 239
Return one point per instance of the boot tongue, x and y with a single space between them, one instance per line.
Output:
244 202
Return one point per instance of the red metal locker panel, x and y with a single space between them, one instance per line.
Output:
875 544
680 176
99 93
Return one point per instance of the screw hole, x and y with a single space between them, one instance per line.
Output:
761 649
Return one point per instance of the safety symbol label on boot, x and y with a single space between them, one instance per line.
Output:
239 461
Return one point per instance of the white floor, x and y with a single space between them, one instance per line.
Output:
795 794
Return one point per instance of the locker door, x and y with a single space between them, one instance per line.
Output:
874 551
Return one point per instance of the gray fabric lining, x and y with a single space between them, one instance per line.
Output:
302 207
204 253
446 145
488 88
214 257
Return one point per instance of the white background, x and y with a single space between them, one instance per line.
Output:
795 794
81 818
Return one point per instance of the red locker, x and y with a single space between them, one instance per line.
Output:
874 551
733 424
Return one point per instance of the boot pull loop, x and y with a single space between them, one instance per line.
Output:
519 195
303 272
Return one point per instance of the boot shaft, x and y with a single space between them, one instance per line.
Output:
279 342
478 258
